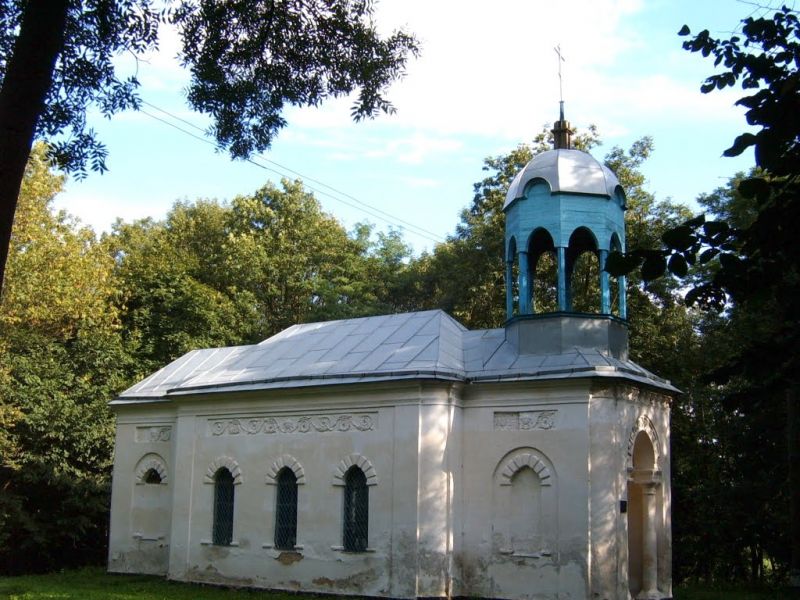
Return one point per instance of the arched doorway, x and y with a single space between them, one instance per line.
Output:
644 485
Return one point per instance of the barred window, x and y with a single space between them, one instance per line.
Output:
152 476
286 510
222 531
356 510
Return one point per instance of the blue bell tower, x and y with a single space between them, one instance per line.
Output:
567 203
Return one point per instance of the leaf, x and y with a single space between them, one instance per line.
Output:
694 222
755 187
730 262
618 264
679 238
654 266
677 265
707 87
712 228
740 144
708 255
684 30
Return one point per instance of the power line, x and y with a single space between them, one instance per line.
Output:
363 206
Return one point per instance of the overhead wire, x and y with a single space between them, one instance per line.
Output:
337 195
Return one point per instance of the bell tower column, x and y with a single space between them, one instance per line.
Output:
524 285
562 279
509 287
605 294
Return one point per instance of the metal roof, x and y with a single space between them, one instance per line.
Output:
417 345
565 171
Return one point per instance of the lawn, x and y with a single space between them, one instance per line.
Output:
95 584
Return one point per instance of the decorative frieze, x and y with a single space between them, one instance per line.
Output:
525 421
156 433
643 423
293 424
642 396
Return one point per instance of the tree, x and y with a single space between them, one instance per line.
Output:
755 264
247 59
61 358
219 274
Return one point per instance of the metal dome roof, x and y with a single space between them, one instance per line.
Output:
565 171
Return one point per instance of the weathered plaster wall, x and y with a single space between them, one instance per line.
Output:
511 422
494 490
140 520
618 412
398 434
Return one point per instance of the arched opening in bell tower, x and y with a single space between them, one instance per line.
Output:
544 276
583 272
616 285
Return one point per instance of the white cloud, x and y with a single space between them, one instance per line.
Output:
415 149
492 71
100 212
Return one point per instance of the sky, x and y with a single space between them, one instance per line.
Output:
486 80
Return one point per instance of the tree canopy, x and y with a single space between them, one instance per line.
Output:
749 248
247 59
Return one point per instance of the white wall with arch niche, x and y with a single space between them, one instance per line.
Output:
525 505
151 502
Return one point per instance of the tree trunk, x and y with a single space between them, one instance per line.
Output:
793 428
29 75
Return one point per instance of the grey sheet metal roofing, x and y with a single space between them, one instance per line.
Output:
565 171
417 345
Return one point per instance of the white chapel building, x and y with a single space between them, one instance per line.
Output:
406 456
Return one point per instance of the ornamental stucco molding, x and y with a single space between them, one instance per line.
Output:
519 459
359 461
286 461
267 425
642 396
525 421
227 462
146 463
643 424
153 433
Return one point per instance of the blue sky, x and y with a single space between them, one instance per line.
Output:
486 81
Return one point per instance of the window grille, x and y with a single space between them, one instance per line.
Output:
356 510
222 531
286 511
152 476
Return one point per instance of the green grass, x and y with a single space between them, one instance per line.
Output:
95 584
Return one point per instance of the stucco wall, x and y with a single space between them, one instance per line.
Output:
494 490
141 513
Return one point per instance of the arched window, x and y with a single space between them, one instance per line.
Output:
286 510
222 530
152 476
356 510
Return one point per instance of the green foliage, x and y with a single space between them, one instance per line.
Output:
748 267
61 358
247 60
84 74
216 274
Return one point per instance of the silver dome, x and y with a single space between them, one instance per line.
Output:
565 171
